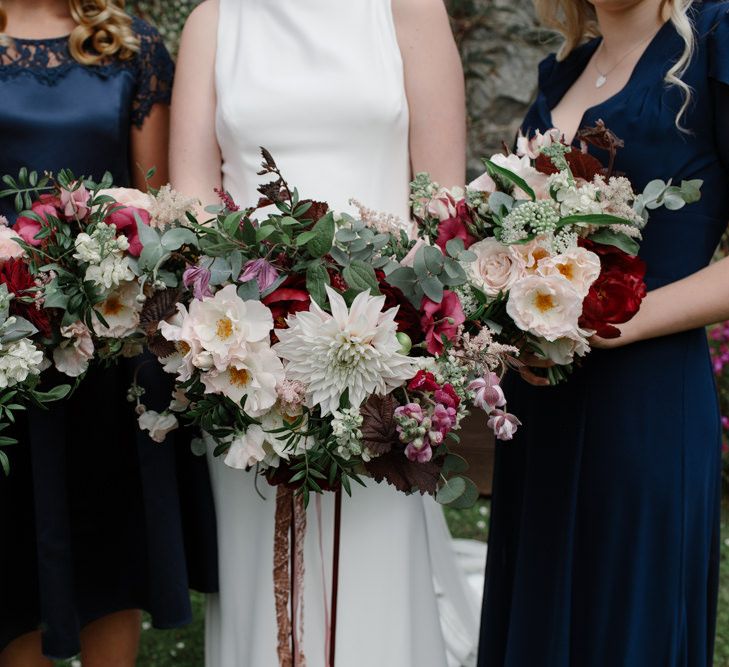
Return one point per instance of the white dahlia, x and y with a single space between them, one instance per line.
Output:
353 349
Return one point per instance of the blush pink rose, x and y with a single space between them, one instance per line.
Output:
9 246
75 202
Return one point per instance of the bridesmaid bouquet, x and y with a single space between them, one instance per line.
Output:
553 238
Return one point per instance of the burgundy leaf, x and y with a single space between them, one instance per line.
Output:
379 433
158 307
405 475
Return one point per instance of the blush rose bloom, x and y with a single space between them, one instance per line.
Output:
547 307
129 197
75 202
496 268
533 253
9 247
72 356
578 265
522 167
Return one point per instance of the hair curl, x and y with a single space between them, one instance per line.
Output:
103 30
576 21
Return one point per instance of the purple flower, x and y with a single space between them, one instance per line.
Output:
488 393
261 271
503 424
198 278
442 422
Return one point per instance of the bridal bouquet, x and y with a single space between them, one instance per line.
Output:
554 237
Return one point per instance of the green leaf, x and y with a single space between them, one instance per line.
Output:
691 190
454 464
451 491
304 238
147 235
248 232
617 239
56 394
249 291
231 223
596 219
455 247
433 288
361 277
5 463
263 232
317 278
510 177
175 238
468 498
321 244
151 255
433 259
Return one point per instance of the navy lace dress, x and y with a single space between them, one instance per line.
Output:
604 539
94 517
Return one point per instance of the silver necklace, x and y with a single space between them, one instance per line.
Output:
602 77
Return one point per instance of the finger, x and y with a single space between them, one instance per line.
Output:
533 379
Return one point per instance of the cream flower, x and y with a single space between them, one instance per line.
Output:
246 449
129 197
545 306
522 167
18 360
73 355
355 349
9 246
225 325
578 265
121 312
179 331
563 350
158 425
533 253
254 376
496 268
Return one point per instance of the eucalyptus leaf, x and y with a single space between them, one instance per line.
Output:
451 491
249 291
175 238
433 288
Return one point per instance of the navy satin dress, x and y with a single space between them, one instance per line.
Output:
604 538
95 517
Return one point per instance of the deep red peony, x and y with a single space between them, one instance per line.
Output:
441 319
407 318
291 297
616 295
125 222
456 227
14 273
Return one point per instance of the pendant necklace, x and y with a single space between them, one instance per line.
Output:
603 76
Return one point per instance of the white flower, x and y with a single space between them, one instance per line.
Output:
563 350
121 312
355 349
254 376
129 197
18 360
496 267
178 330
522 167
578 265
158 425
532 146
88 249
9 246
276 443
110 272
225 325
534 252
545 306
73 355
246 449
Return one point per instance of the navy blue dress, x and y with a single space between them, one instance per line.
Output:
95 517
604 538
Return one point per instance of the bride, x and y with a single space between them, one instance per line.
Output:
351 97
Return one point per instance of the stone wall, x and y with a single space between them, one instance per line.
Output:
501 46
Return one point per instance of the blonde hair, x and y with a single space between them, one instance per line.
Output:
103 30
576 21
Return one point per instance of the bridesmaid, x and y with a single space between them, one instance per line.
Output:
605 526
91 516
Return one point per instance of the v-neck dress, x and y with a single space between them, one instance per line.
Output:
604 538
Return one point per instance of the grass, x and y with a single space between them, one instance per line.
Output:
185 647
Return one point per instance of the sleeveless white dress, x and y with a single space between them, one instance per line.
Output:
319 83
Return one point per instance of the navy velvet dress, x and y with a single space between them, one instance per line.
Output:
604 539
95 517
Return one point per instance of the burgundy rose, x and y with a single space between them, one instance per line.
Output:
291 297
407 318
126 224
14 273
456 227
441 319
423 381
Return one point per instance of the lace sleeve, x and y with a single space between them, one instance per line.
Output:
155 72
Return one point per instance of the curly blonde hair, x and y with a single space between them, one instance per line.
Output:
103 30
576 21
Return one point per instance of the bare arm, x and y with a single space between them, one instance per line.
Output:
435 89
149 148
195 161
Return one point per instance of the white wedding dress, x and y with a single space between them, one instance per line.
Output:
319 83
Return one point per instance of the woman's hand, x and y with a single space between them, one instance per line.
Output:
531 361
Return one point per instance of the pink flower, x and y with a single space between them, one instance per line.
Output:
27 228
447 396
410 411
442 422
503 424
441 320
73 355
75 202
126 223
263 272
484 183
456 226
423 381
488 393
197 278
419 451
9 247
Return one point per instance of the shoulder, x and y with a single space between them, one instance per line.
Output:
204 18
711 22
710 16
419 10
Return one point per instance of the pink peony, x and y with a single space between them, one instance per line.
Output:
497 267
441 319
488 393
503 424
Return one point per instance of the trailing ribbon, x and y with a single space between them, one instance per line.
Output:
288 576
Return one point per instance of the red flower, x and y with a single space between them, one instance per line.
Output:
126 224
447 396
456 227
617 294
423 381
291 297
441 319
14 273
43 207
407 318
